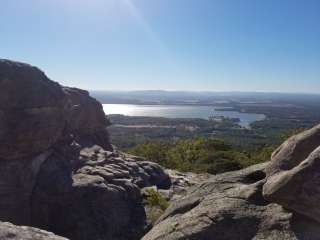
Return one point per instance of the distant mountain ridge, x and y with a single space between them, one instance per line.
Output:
205 97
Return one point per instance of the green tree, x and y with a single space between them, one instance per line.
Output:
196 155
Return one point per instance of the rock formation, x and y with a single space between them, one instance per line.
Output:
60 173
231 206
58 169
294 174
12 232
276 200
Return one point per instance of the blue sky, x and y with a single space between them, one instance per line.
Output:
218 45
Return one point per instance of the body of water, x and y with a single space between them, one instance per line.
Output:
179 111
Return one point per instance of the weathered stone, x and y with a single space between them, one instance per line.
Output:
86 119
58 169
59 172
294 174
181 182
31 111
293 151
231 206
9 231
17 180
100 200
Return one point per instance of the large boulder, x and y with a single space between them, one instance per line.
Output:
36 115
294 174
58 169
293 151
36 112
100 200
231 206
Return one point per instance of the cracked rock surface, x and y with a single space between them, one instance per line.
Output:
231 206
294 174
10 231
59 171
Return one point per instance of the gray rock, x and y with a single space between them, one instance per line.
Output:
294 175
17 180
9 231
182 181
231 206
36 115
59 171
293 151
86 120
31 111
100 199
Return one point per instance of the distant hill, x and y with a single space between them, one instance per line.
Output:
205 97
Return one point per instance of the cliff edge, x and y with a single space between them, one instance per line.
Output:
59 171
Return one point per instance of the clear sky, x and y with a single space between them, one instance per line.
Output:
219 45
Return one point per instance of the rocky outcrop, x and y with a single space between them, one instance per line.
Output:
231 206
32 119
100 200
275 200
181 182
86 120
59 171
293 151
31 111
12 232
294 174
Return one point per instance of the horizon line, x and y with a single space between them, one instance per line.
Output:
202 91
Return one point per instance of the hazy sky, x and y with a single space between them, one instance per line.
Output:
220 45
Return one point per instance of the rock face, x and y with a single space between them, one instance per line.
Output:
10 231
293 151
58 169
100 200
294 174
31 111
86 119
181 182
231 206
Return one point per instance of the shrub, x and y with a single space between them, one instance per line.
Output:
155 199
210 155
197 155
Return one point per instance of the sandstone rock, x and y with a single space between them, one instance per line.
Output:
31 111
294 175
9 231
86 118
36 112
294 151
17 180
231 206
182 181
36 115
59 172
58 169
100 200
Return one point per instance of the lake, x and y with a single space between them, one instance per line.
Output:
179 111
